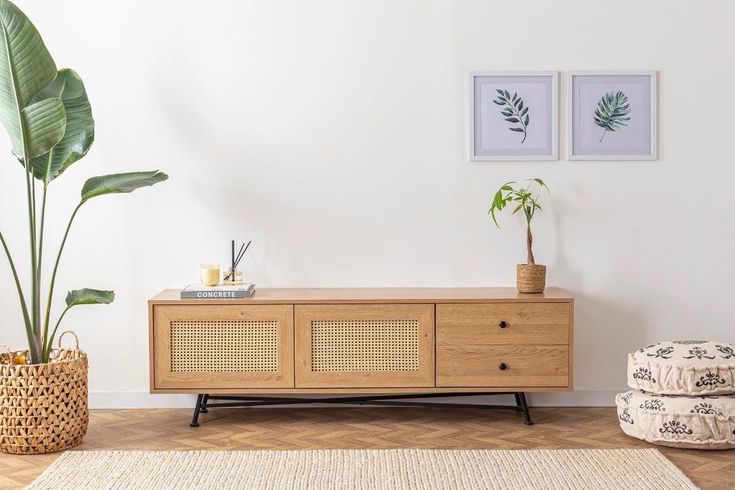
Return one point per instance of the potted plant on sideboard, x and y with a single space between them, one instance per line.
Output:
530 277
48 117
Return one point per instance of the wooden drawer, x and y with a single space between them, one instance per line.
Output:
503 324
222 346
480 366
364 346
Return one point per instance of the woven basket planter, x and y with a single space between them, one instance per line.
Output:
530 278
43 407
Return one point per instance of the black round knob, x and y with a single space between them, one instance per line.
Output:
503 324
503 366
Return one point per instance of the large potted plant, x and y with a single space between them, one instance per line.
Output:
48 117
530 277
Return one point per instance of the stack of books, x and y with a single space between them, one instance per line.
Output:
197 291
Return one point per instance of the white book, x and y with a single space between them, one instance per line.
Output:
197 291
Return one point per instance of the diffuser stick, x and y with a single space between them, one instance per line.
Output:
242 253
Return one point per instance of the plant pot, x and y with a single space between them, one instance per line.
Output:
530 278
43 407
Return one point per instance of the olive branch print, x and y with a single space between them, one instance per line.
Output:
612 112
514 111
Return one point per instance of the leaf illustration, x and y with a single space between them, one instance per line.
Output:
514 111
612 112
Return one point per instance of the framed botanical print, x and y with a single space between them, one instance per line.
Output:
612 115
513 116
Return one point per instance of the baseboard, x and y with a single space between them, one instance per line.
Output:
139 399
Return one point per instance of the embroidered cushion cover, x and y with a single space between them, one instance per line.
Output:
699 422
683 367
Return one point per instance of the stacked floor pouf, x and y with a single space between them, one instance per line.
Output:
683 395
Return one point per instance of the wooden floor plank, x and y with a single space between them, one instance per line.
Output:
369 428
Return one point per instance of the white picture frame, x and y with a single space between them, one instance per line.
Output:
488 140
643 140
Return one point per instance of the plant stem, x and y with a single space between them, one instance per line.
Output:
529 243
21 296
36 345
50 341
603 135
53 273
39 261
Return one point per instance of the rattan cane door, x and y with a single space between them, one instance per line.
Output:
364 346
223 346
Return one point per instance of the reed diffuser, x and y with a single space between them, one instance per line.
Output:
233 276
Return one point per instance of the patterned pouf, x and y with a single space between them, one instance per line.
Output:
683 367
699 422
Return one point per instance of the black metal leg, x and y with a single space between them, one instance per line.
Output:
523 405
197 411
231 401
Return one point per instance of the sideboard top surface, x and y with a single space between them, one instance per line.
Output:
374 295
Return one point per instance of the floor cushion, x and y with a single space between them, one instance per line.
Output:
699 422
683 367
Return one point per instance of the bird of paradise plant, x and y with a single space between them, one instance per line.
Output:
48 118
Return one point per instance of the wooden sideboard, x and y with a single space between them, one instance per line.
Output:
387 345
349 341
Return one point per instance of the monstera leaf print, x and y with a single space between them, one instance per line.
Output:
514 111
612 112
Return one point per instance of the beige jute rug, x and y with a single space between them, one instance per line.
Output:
405 469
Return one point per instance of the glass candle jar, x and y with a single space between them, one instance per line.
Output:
209 274
232 277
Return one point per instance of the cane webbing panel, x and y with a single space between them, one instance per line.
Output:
224 346
364 345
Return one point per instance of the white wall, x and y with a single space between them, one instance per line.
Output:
332 134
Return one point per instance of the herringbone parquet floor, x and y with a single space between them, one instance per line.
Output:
315 428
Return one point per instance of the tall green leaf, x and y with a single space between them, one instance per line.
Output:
612 112
120 183
79 134
26 67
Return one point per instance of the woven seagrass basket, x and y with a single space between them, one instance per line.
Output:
530 278
43 407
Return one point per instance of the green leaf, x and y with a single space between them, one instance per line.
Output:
89 297
498 201
120 183
514 111
518 208
612 112
498 102
45 123
79 133
499 91
26 67
540 182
